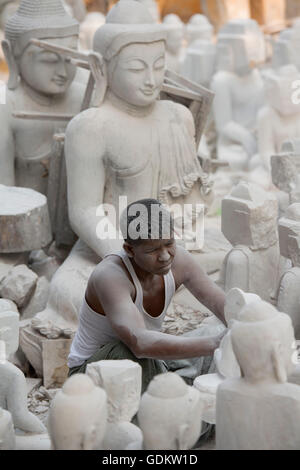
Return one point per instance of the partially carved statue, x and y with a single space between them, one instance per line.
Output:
239 92
249 222
41 82
132 145
199 27
279 119
288 300
175 34
170 413
78 414
260 410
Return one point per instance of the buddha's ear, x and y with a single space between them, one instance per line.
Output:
278 363
98 68
13 80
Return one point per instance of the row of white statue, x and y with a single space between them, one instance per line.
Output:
254 398
136 145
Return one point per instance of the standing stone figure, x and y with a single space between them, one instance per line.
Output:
249 222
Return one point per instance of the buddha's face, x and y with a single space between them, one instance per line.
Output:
138 75
47 72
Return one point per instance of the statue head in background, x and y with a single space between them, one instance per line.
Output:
44 72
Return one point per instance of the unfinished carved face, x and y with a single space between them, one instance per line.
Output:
138 74
46 72
249 217
264 343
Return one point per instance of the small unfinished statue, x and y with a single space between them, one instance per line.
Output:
288 299
170 414
175 34
260 410
279 119
249 222
122 381
13 389
77 416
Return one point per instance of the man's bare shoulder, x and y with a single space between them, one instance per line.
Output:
110 272
180 264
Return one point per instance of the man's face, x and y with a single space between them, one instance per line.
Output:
155 256
48 72
139 74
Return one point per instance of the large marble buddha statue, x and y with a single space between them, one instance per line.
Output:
39 81
133 145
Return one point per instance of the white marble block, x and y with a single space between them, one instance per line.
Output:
18 285
122 381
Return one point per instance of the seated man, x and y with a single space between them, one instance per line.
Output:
129 292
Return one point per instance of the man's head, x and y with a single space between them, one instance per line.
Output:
148 231
45 72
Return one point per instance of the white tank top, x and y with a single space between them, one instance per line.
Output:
95 330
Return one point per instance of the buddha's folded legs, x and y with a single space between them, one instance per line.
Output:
60 318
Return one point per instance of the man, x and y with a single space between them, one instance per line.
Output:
129 292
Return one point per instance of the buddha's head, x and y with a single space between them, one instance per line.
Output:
78 415
242 40
199 27
133 48
289 234
175 33
174 410
249 217
263 342
47 73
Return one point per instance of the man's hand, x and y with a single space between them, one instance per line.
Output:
219 338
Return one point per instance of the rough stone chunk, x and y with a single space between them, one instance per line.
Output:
122 381
24 220
18 285
55 356
38 300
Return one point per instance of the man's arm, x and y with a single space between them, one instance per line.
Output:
84 150
114 294
189 273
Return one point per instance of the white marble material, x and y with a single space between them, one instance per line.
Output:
260 410
288 299
7 435
122 381
174 46
170 414
198 27
77 416
249 222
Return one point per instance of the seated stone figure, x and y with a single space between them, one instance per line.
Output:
39 81
249 222
279 119
170 414
260 410
239 94
288 298
132 145
78 415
